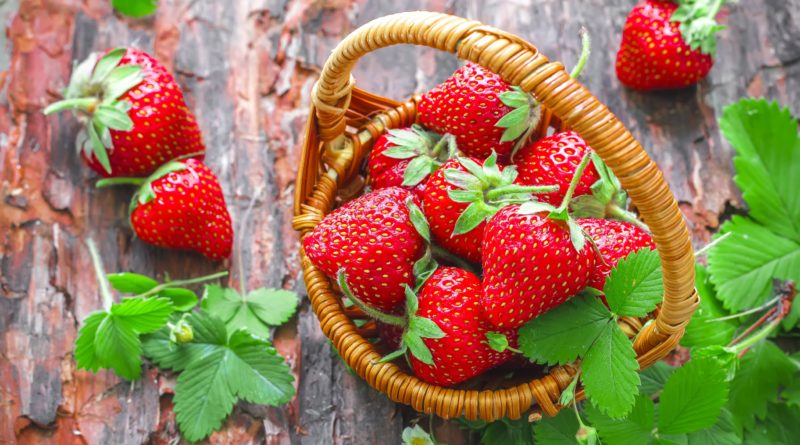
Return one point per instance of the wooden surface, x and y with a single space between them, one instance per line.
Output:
247 67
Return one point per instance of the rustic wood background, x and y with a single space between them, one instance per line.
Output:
247 67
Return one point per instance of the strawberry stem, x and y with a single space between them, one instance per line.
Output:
393 320
109 182
440 144
514 188
704 250
105 288
181 283
573 184
621 214
585 50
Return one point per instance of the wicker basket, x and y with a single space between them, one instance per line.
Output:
344 122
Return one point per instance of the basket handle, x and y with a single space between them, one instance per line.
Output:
520 63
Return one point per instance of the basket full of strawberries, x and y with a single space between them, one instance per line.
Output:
441 234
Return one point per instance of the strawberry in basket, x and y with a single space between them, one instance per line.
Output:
443 328
133 111
373 239
614 240
406 157
535 257
463 194
481 110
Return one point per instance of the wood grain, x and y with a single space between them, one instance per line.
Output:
247 68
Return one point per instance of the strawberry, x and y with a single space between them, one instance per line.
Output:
553 160
614 241
181 206
133 111
406 157
444 331
374 240
465 192
667 46
534 258
481 110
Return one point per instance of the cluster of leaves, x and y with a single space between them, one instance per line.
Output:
222 351
739 386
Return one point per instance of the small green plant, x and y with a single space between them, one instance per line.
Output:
135 8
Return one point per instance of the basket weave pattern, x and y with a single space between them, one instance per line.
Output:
344 122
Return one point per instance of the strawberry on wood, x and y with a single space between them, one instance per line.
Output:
668 44
181 206
134 115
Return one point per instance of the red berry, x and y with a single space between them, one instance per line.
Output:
469 105
184 209
373 240
614 240
451 299
530 266
161 126
653 53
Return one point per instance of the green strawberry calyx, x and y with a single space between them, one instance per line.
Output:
145 193
499 342
426 149
486 189
698 24
415 328
608 199
93 94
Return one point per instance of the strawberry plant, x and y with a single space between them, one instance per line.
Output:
218 362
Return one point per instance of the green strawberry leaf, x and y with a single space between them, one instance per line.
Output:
635 285
743 265
135 8
111 339
418 169
767 150
557 430
565 333
721 433
98 148
654 378
256 312
417 347
637 427
692 397
418 220
780 426
609 375
704 329
240 367
515 123
131 283
498 342
424 327
726 357
121 80
762 370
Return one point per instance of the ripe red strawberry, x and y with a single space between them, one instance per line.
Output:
181 206
665 46
443 328
133 112
553 160
462 195
372 239
614 240
481 110
530 264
